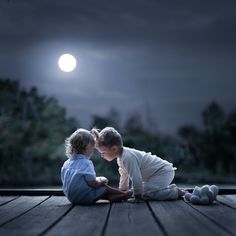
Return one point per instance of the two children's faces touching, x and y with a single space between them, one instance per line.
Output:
108 154
89 149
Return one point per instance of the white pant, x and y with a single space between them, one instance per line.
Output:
157 187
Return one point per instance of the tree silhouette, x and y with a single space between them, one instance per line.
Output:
32 139
213 147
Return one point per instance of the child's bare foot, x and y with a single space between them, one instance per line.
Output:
181 193
172 185
128 194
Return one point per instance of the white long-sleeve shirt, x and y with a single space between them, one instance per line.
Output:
139 166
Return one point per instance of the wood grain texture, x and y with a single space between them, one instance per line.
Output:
179 218
229 200
6 199
128 219
55 215
220 215
82 220
37 219
18 207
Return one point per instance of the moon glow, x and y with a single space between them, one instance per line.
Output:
67 62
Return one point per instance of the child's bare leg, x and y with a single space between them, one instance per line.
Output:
115 195
113 190
119 197
172 185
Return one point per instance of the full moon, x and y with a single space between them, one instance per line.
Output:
67 62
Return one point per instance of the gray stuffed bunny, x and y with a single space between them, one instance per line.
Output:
202 196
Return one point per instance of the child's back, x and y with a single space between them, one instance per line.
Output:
75 174
140 166
148 163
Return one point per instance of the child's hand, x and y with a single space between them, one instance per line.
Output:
102 179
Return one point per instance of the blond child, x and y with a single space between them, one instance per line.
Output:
80 184
150 175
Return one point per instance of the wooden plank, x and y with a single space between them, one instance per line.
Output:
59 191
229 200
179 218
82 220
17 207
6 199
227 191
221 215
31 192
39 219
131 219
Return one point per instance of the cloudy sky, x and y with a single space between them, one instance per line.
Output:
169 59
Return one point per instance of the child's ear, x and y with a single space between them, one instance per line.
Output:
114 148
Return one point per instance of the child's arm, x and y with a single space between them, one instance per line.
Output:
134 172
96 184
124 180
100 181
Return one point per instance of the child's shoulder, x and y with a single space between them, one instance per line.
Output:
77 164
131 153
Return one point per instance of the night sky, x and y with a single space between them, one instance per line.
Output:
164 59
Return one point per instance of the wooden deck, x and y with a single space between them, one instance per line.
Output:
54 215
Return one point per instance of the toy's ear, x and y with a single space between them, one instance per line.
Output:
205 186
204 190
210 194
215 191
196 191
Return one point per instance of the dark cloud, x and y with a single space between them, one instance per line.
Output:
171 56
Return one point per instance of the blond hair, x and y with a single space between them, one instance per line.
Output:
107 137
78 141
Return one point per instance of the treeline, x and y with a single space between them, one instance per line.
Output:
206 151
212 148
34 127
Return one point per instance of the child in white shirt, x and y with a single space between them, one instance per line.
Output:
150 175
80 184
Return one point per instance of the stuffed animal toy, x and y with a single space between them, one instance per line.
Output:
202 196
